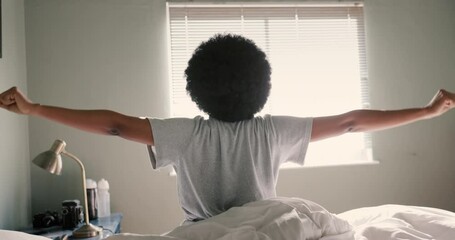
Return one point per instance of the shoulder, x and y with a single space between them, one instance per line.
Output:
176 120
283 119
175 126
288 125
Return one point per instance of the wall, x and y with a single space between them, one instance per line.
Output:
112 54
101 54
14 151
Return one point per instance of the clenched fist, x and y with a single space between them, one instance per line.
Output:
13 100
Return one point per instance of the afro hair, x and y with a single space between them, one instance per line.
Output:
228 77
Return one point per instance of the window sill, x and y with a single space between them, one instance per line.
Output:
366 163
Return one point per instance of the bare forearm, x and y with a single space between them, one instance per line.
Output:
364 121
373 120
96 121
104 122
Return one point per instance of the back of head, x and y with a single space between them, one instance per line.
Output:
228 77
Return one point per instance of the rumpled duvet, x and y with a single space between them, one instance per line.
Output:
299 219
272 219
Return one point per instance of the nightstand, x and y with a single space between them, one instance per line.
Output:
110 224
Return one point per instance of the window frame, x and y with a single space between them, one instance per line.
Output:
367 155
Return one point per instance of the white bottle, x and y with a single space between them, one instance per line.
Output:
104 202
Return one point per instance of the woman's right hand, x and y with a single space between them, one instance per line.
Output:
13 100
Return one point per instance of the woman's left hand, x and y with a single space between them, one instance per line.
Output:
442 102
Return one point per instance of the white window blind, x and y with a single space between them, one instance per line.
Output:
317 55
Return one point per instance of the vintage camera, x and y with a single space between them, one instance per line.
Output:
72 213
46 219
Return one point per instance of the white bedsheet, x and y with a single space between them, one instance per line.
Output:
397 222
15 235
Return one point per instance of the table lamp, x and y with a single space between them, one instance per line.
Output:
51 161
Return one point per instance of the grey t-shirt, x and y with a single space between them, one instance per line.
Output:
220 165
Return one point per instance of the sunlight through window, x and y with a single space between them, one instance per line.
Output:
317 55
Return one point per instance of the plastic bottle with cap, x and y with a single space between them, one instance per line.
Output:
104 202
92 200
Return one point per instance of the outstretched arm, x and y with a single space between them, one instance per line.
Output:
96 121
373 120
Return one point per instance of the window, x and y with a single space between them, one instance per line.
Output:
317 55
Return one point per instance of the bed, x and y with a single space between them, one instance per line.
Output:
294 218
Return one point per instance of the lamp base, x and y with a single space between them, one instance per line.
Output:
86 231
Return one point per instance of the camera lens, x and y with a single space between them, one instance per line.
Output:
65 211
48 221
